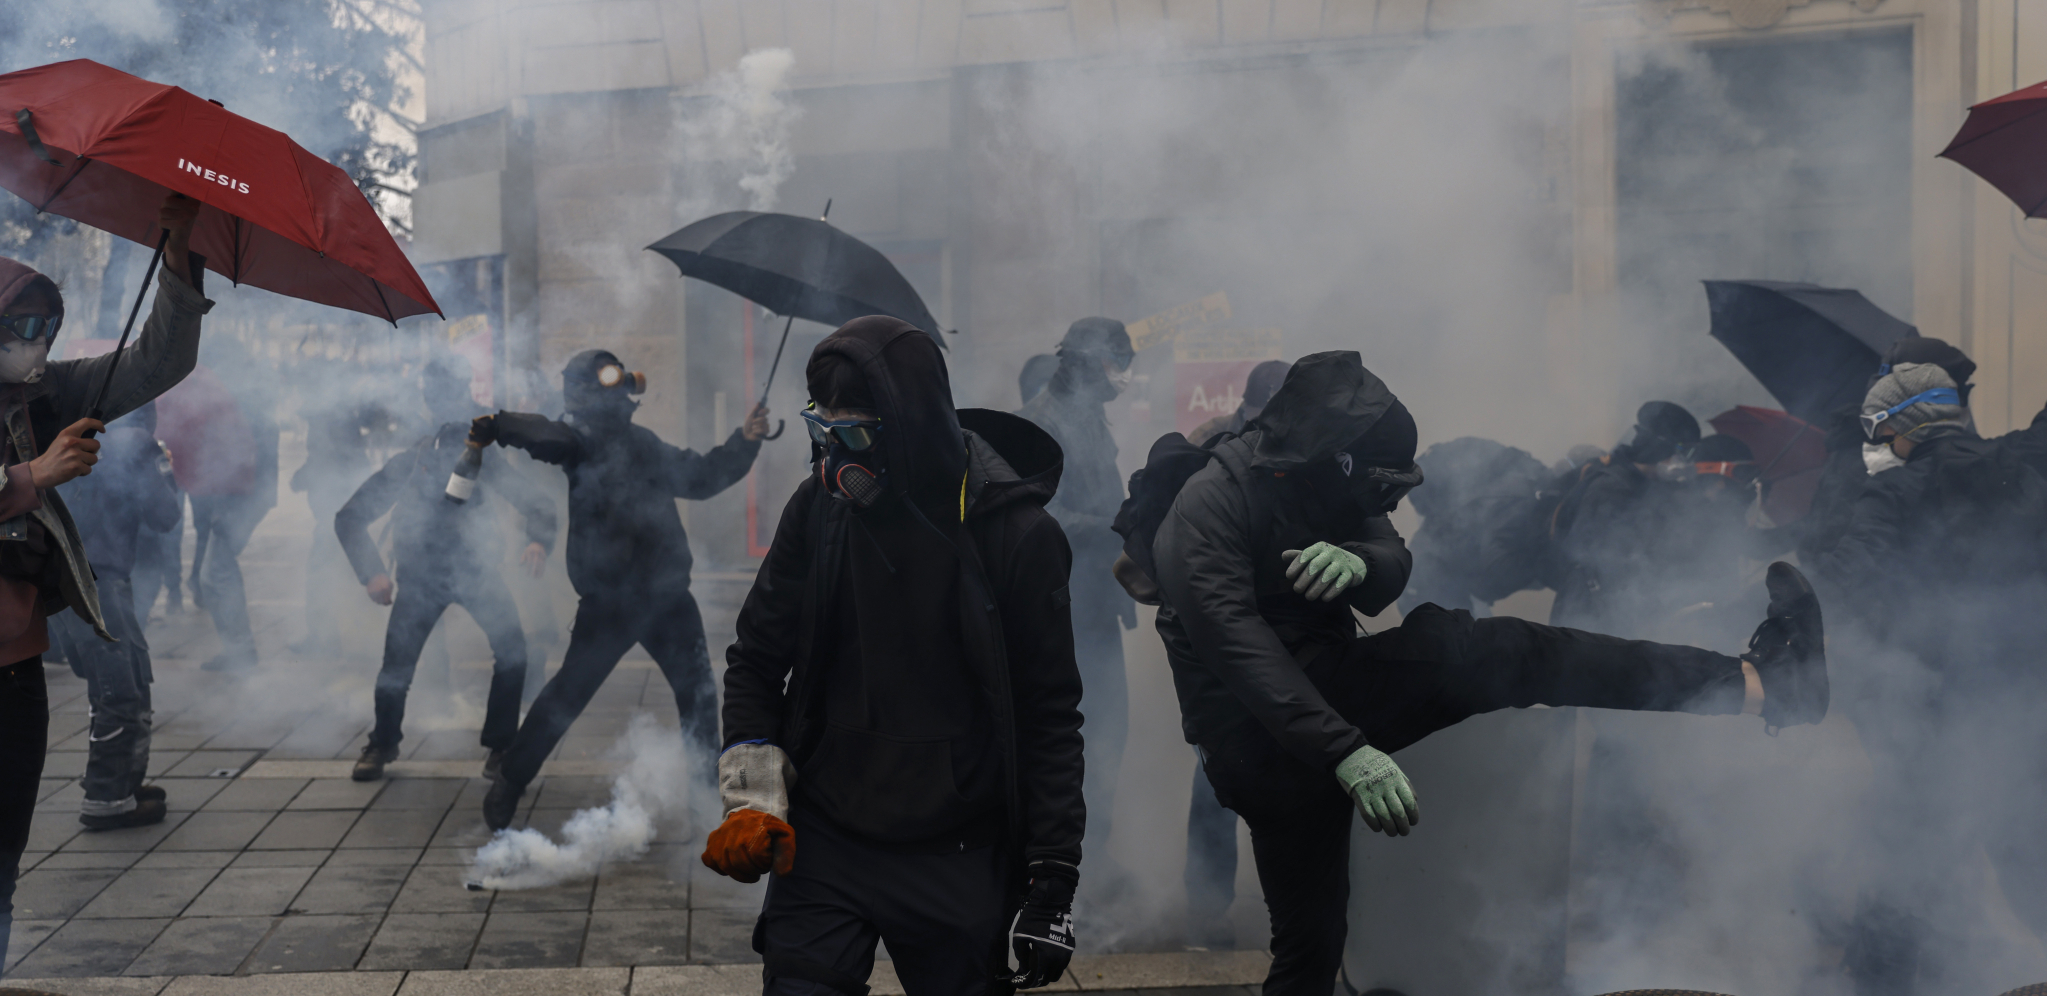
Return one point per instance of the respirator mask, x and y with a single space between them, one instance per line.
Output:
606 391
25 346
1378 490
851 464
1879 457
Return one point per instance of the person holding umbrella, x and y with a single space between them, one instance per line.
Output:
628 556
43 566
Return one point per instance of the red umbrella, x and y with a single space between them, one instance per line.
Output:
1789 453
2004 141
97 145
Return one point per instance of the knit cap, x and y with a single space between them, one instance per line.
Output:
1913 421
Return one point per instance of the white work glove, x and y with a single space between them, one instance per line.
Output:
756 777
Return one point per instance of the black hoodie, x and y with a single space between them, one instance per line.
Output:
1236 633
981 731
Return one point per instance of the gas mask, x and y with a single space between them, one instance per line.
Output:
850 466
1377 490
597 386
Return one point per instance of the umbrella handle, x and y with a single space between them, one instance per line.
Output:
98 412
780 424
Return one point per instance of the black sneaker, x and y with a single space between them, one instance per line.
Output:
501 803
150 793
370 766
144 814
1789 651
494 765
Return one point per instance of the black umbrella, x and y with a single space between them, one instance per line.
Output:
798 267
1814 348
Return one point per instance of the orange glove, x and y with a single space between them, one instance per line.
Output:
749 844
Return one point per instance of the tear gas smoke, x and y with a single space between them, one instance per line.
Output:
739 123
654 787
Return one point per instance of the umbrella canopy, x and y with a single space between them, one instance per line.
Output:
99 146
2004 141
796 266
1813 348
1789 454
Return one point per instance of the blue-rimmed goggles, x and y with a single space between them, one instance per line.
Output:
858 435
1937 396
32 328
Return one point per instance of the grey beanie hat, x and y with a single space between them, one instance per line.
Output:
1907 380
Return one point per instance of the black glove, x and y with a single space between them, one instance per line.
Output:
1042 933
483 430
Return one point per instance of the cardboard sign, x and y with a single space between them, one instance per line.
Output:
1167 325
1210 367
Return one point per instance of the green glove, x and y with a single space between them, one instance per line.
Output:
1330 569
1383 795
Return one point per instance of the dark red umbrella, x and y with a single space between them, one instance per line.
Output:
99 146
2004 141
1789 454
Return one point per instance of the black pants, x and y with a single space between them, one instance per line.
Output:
420 602
117 678
24 730
943 916
1211 871
606 627
1435 670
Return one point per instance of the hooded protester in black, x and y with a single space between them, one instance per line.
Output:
1294 712
628 556
910 663
1094 360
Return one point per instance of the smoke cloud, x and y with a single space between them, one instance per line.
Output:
654 787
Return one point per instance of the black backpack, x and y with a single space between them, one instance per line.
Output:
1172 460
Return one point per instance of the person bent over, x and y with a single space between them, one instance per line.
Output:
902 701
1263 556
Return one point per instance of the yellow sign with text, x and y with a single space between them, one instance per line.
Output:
1167 325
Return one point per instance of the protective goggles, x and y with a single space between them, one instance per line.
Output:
1383 487
30 328
1937 396
858 435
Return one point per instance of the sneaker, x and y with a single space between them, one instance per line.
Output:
1789 651
144 814
494 765
150 793
370 766
501 803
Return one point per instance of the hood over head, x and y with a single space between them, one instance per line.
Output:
17 277
1939 414
1010 460
1265 378
1098 338
1327 402
905 375
1926 349
584 392
1662 428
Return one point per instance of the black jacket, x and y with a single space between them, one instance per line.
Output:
1224 582
625 534
1946 555
432 536
1006 605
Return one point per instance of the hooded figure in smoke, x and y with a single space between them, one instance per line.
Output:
902 698
1094 367
1618 528
1264 556
126 496
448 554
628 555
1475 486
1941 558
43 564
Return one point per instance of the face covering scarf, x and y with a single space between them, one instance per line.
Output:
1879 457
